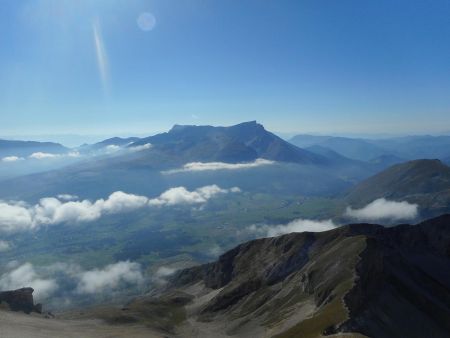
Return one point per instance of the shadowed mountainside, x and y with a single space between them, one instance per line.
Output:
425 182
359 279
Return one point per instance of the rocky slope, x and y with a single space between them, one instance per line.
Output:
360 279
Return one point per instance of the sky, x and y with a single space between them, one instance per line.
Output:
136 67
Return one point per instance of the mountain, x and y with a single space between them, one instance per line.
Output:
242 142
356 149
416 147
384 161
396 149
111 142
425 182
360 280
141 166
446 160
305 141
26 148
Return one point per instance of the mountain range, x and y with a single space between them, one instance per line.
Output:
394 149
139 166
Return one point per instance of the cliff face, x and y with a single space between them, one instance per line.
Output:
20 300
359 279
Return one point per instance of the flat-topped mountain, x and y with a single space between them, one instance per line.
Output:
242 142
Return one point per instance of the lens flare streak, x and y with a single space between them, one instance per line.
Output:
102 60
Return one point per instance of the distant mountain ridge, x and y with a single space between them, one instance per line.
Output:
26 148
392 150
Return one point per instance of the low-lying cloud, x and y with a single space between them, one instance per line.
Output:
298 225
19 216
67 197
40 155
10 159
383 209
140 147
209 166
43 156
48 280
110 277
25 275
161 274
4 246
181 195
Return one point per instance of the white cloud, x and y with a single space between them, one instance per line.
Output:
44 156
74 154
204 166
40 155
382 209
181 195
161 274
26 276
110 277
12 159
45 280
14 217
18 216
215 250
4 246
112 148
140 147
67 197
298 225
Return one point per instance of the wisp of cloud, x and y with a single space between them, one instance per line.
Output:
383 209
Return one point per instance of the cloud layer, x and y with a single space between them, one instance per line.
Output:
12 159
4 246
110 277
26 276
382 209
208 166
47 280
18 216
298 225
181 195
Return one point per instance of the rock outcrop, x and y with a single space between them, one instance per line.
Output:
20 300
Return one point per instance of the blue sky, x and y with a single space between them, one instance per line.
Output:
327 66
